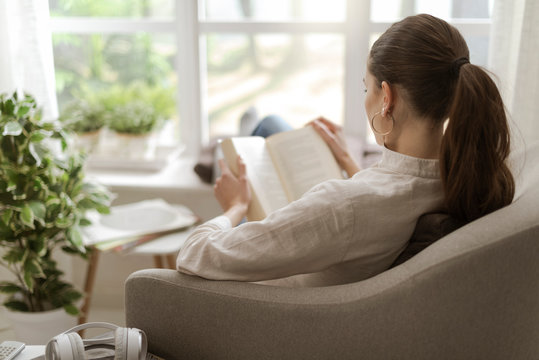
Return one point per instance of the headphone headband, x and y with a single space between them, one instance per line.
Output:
69 346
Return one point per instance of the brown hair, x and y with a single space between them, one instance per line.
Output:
428 59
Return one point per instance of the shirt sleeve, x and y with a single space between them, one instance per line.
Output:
309 235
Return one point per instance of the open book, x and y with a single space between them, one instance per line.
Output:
136 223
282 167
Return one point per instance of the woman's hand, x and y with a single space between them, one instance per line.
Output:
334 137
233 193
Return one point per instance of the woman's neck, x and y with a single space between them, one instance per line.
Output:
419 138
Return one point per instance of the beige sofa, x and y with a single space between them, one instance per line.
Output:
474 294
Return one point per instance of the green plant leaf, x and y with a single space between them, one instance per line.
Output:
35 154
14 255
32 267
85 222
71 295
38 136
16 305
27 216
70 250
7 287
12 180
41 246
39 185
11 185
29 280
23 110
71 309
64 139
52 201
6 216
75 237
12 128
39 210
63 222
9 106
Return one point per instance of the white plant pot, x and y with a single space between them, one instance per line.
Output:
135 147
37 328
87 141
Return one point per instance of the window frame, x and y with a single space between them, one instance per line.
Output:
189 27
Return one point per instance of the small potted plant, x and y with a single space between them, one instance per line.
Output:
85 120
44 196
134 125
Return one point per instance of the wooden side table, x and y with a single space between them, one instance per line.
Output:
163 249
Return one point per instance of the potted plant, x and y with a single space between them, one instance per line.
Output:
44 197
133 114
86 120
134 125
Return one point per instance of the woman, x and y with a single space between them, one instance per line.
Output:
418 76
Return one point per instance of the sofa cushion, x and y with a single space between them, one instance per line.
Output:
429 228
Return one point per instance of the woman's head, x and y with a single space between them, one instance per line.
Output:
420 55
427 60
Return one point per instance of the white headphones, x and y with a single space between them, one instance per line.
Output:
127 343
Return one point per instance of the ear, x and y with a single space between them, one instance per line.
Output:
388 98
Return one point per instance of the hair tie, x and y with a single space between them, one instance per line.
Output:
455 67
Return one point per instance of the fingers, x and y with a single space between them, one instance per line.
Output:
329 124
226 172
242 169
223 166
323 131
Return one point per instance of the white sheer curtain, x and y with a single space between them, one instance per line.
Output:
26 61
513 57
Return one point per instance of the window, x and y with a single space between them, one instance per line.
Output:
116 49
296 58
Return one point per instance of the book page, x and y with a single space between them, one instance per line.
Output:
303 160
266 188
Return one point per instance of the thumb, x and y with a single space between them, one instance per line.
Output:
223 166
242 169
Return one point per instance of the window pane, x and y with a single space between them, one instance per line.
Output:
299 77
116 67
394 10
113 8
277 10
478 46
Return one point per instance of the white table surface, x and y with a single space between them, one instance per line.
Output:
32 352
167 244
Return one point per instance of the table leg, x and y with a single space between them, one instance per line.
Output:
158 261
89 284
171 260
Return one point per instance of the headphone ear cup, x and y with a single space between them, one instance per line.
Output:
120 344
77 346
135 347
59 347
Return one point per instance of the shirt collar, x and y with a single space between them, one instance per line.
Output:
404 164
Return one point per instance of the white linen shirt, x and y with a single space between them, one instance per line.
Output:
340 231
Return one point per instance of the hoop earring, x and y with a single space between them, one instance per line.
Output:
384 133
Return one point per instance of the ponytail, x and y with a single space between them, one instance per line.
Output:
475 145
428 59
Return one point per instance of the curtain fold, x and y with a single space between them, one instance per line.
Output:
26 63
513 57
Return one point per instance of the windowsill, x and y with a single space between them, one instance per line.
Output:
178 175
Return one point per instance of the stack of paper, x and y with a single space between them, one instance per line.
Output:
133 224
